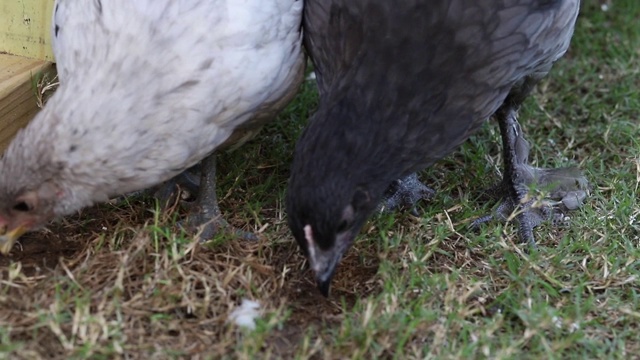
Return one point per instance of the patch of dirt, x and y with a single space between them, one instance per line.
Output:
310 311
40 251
168 298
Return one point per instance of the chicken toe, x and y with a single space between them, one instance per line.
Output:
405 194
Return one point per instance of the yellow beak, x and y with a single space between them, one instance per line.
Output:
8 239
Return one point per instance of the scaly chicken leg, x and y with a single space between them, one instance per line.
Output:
204 216
567 185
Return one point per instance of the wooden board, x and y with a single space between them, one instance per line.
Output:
25 28
18 101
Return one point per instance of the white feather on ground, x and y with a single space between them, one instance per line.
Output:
246 314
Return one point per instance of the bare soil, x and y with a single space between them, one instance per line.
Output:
110 258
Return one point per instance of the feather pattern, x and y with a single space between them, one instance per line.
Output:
150 87
402 84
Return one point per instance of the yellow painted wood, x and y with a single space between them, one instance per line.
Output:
25 28
18 101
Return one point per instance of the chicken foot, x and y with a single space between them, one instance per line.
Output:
404 194
204 216
568 187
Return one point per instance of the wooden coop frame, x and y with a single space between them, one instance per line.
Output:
25 57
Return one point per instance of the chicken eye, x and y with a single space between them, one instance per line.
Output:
22 206
344 224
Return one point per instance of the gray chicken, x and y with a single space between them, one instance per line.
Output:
148 88
402 84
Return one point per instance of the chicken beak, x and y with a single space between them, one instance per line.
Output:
324 284
9 238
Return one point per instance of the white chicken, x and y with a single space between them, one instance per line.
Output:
148 88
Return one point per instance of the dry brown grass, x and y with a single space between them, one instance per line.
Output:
107 279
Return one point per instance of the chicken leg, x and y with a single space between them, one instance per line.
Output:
204 216
167 192
567 185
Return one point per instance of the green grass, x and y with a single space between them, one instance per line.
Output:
411 287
